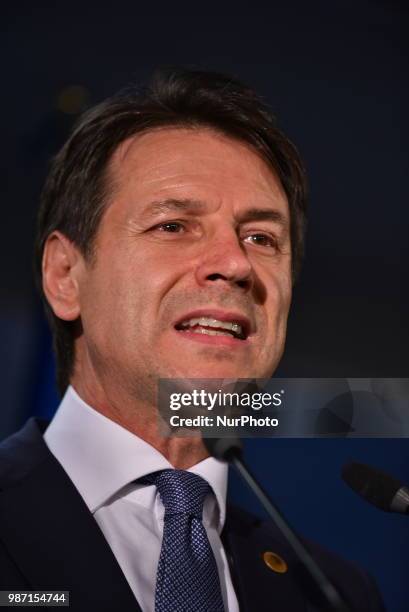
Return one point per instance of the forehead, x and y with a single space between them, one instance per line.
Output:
175 161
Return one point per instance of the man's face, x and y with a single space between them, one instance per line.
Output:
192 275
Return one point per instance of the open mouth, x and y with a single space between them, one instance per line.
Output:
238 329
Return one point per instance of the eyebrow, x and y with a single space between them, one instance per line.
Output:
264 214
197 207
173 204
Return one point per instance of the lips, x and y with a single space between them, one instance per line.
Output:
215 323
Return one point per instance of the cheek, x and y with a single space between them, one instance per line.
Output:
138 295
279 298
105 299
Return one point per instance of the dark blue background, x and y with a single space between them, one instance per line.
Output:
336 76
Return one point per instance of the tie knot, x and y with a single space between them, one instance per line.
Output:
180 491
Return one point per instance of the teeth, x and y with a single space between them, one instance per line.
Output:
210 332
207 322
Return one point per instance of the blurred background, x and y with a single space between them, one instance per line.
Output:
335 74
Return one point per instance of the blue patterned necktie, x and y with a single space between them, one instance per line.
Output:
187 579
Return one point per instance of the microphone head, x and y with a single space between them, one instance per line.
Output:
224 449
372 484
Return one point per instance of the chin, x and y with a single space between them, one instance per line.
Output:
218 371
219 366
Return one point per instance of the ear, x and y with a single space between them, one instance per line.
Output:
61 265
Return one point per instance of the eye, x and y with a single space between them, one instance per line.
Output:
172 227
264 240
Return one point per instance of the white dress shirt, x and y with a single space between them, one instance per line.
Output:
103 460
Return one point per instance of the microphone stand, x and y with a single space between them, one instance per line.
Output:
230 450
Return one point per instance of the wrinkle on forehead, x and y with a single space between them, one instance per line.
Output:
152 161
124 149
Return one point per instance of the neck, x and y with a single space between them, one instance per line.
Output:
142 419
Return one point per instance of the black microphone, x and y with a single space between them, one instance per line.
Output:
377 487
231 450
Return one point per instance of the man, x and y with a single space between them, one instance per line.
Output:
170 233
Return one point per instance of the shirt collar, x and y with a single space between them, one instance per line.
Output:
101 457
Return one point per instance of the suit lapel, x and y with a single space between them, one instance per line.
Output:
53 538
56 543
257 586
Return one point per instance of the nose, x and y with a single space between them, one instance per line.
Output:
224 259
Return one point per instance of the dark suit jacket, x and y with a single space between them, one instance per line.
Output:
50 540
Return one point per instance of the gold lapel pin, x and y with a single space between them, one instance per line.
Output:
275 562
